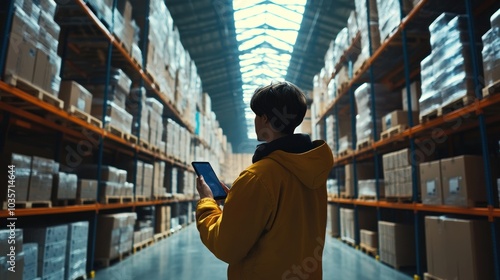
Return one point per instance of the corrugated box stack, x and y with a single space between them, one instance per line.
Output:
368 239
117 92
430 183
159 179
368 188
114 235
347 231
7 255
385 102
126 30
491 51
366 21
32 53
138 108
171 181
155 122
52 242
23 171
458 249
397 244
447 72
42 172
113 180
86 189
30 270
398 174
163 215
64 186
389 12
76 253
75 96
319 94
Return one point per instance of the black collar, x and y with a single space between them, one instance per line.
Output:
295 143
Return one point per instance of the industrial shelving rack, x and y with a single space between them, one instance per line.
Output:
397 62
39 117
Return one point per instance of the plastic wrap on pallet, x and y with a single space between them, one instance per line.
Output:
115 115
431 99
390 15
368 188
495 19
64 186
76 253
347 229
30 260
86 189
491 55
362 19
329 63
341 45
352 26
89 171
52 242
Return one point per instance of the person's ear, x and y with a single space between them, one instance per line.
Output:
264 118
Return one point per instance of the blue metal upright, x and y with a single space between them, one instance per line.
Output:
478 85
9 9
414 169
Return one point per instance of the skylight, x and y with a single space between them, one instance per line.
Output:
266 31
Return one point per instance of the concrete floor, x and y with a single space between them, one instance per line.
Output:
182 256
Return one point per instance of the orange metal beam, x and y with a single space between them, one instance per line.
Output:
48 211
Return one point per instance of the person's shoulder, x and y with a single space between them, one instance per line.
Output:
264 167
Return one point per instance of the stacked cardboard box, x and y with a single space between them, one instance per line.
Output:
330 133
458 249
368 188
385 102
352 26
368 238
32 53
7 255
113 180
30 261
430 183
415 94
447 72
397 244
390 15
364 171
491 57
398 118
52 242
340 46
147 180
42 172
23 170
463 181
155 121
398 174
320 98
64 186
114 235
171 181
86 189
366 21
73 94
76 253
163 215
159 179
347 231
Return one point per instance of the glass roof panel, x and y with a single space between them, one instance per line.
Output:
266 31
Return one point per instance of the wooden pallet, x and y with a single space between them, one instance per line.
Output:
142 198
108 199
457 104
431 115
131 138
144 144
367 197
346 196
161 197
30 204
492 89
141 245
348 241
428 276
368 250
126 198
84 116
107 262
85 201
365 144
399 199
346 153
393 131
36 91
161 236
154 149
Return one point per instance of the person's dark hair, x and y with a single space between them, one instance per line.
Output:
283 103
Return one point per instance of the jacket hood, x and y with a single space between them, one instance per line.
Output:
311 168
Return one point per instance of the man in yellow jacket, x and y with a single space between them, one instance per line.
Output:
274 219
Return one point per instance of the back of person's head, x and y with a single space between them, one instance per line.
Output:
283 103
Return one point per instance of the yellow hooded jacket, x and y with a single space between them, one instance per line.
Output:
274 219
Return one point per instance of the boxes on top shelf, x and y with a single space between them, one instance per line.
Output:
363 18
491 55
340 46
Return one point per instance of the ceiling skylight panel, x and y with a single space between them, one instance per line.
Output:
243 4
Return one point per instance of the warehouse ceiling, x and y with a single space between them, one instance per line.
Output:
208 32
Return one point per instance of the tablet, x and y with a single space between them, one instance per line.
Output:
205 169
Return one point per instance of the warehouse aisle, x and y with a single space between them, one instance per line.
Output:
182 256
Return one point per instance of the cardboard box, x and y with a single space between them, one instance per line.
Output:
463 181
430 183
365 171
369 238
73 94
396 118
347 231
64 186
416 92
40 187
21 57
86 189
397 244
458 249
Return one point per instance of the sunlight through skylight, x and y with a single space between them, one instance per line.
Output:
266 31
